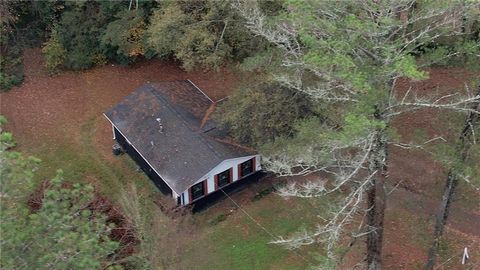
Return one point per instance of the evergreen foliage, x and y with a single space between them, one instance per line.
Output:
124 38
54 52
62 234
11 72
263 112
350 54
204 34
80 36
93 32
200 33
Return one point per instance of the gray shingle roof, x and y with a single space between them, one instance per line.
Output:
162 121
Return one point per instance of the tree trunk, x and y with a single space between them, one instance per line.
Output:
376 202
376 206
442 215
451 184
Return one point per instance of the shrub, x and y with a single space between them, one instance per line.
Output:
11 67
7 81
54 52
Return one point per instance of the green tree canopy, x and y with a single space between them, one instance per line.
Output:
200 33
124 38
350 54
263 112
62 234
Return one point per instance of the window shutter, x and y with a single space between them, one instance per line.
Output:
254 164
190 195
215 179
230 171
239 170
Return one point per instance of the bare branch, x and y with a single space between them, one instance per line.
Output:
417 146
330 232
460 104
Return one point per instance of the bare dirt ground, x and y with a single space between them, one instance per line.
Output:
412 206
45 103
67 108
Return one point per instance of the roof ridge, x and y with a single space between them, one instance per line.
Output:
184 121
232 143
167 103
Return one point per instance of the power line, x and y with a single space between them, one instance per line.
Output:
298 254
261 226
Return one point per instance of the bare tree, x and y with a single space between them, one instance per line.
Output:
350 54
465 141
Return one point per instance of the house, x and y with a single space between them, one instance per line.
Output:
166 129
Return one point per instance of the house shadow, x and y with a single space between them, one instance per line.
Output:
218 195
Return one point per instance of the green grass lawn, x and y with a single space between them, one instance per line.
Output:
197 243
234 243
243 244
59 120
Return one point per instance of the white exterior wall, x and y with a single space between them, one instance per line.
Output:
225 165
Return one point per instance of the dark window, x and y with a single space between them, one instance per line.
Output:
197 191
223 178
246 167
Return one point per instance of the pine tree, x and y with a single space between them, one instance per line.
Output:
62 234
351 54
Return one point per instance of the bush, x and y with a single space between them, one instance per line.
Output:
7 81
54 53
11 68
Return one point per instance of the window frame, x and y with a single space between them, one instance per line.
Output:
229 173
252 164
204 191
